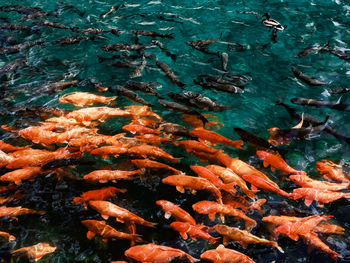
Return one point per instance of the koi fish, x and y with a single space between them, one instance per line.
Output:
331 171
135 128
307 182
107 209
142 111
6 235
149 164
104 151
152 139
80 99
103 176
225 255
282 220
193 231
96 114
148 151
100 194
277 162
10 148
169 73
157 254
211 208
313 240
195 121
191 145
213 137
34 253
106 231
13 212
307 79
193 184
328 229
258 182
171 209
242 203
243 237
318 195
18 175
335 105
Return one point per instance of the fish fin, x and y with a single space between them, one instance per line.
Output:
320 204
102 181
308 201
295 237
90 234
180 189
18 182
265 163
300 124
253 187
193 192
243 244
105 217
194 238
211 216
184 235
222 217
273 168
225 240
167 215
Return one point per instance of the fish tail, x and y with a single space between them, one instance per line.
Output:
41 212
273 243
192 259
149 224
137 238
213 240
236 144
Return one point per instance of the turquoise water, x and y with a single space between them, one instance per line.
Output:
265 63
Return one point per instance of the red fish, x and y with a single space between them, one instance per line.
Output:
18 175
6 235
190 146
97 114
240 202
34 253
331 171
213 137
112 150
148 151
152 139
13 212
10 148
149 164
318 195
84 98
104 176
138 111
329 229
307 182
193 231
157 254
171 209
225 255
135 128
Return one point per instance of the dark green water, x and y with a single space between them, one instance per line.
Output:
266 63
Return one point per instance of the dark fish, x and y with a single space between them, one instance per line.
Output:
56 87
5 19
237 80
146 87
12 66
116 47
307 79
335 105
119 56
90 30
58 163
229 88
131 95
111 10
98 85
122 64
139 69
201 43
14 27
39 15
315 48
54 25
339 90
36 111
19 47
181 108
237 47
174 129
152 34
21 9
340 54
169 73
224 61
66 6
163 48
206 51
70 40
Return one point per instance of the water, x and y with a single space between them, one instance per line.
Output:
266 63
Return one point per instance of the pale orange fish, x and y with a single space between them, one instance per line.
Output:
331 171
277 162
171 209
18 175
186 229
10 148
148 151
13 212
213 137
104 176
195 146
6 235
211 208
139 111
84 98
135 128
97 114
149 164
311 239
89 142
152 139
329 229
5 159
62 120
107 209
34 253
193 184
105 231
150 123
104 151
307 182
281 220
317 195
157 254
225 255
100 194
243 237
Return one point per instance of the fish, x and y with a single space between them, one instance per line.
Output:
237 80
146 87
135 128
186 229
99 194
169 73
331 171
80 99
285 208
149 164
339 90
318 195
70 40
19 47
283 220
53 25
6 235
142 111
307 79
152 139
56 87
96 114
174 129
229 88
307 182
240 202
335 105
211 208
163 48
11 67
225 255
195 122
35 252
91 30
277 162
21 9
13 212
151 34
312 49
112 9
312 240
243 237
195 146
213 137
339 53
181 108
224 61
182 182
258 182
329 229
157 254
10 148
103 176
128 47
177 212
19 175
148 151
107 209
105 231
139 69
131 95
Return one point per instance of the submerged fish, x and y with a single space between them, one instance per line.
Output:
307 79
146 87
19 47
335 105
35 252
151 34
225 255
169 73
131 95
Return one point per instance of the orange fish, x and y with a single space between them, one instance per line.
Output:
104 176
318 195
277 162
149 164
104 151
107 209
213 137
18 175
6 235
10 148
329 229
146 122
193 184
148 151
100 194
16 196
193 231
84 98
96 114
13 212
171 209
213 178
106 231
157 254
5 159
195 121
281 220
225 255
34 253
135 128
138 111
313 240
258 182
211 208
191 145
8 188
243 237
236 202
307 182
152 139
331 171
